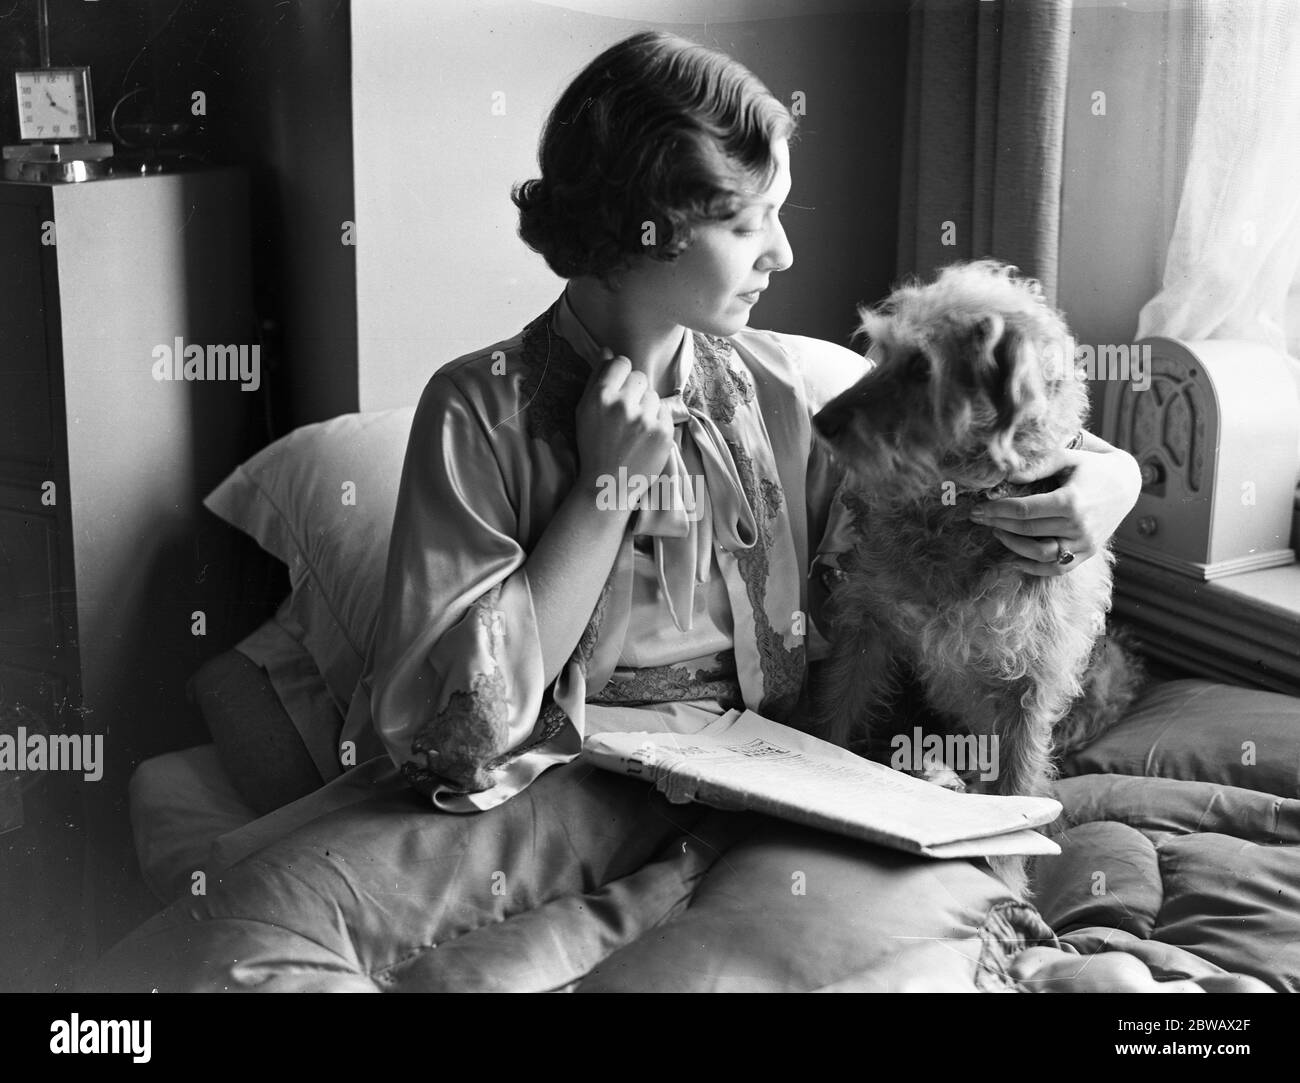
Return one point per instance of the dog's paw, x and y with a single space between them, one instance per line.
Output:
941 775
1013 871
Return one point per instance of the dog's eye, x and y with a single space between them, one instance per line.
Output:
918 368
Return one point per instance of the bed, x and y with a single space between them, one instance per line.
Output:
284 860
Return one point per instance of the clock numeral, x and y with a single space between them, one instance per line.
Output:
72 128
27 90
56 129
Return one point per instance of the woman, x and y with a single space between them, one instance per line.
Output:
527 602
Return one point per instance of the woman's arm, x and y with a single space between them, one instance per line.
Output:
1079 516
620 423
566 571
473 630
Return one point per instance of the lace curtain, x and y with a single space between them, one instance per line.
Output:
1235 248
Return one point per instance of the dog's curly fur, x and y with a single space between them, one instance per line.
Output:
970 386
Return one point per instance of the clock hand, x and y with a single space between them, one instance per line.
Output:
56 105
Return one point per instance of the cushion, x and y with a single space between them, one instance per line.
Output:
322 500
257 740
304 700
1194 729
180 803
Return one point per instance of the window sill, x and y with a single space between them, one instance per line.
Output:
1242 629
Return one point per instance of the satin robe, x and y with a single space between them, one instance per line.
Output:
454 687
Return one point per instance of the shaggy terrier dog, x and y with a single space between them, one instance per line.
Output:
930 620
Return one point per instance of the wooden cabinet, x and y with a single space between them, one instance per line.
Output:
103 564
1241 629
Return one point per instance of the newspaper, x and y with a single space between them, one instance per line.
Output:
745 761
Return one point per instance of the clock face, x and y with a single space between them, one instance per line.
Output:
54 104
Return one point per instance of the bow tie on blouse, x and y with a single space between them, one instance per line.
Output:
700 500
690 516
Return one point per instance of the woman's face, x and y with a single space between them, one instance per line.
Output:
712 286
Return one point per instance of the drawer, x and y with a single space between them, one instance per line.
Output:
36 604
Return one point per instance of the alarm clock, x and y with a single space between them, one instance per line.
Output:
56 121
55 103
1215 428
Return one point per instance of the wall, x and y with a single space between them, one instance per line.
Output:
277 81
1123 170
142 260
440 270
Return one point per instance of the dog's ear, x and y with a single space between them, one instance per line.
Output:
993 347
1008 376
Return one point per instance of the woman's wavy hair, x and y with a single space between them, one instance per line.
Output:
656 131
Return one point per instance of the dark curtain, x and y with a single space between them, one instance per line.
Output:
984 133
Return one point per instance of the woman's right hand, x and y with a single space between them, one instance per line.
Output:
621 422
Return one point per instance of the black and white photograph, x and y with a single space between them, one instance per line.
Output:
651 496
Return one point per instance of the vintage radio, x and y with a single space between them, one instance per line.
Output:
1215 427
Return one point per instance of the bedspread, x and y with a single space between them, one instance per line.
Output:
586 882
1211 869
590 881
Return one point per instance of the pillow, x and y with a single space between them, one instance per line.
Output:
180 803
322 500
1201 731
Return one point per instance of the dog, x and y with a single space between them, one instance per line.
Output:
929 619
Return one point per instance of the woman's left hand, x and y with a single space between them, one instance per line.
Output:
1053 533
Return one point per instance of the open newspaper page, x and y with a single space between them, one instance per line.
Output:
745 761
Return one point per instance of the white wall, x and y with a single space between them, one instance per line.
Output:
440 269
1123 169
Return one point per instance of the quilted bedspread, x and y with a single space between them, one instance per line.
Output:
1181 844
1205 855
